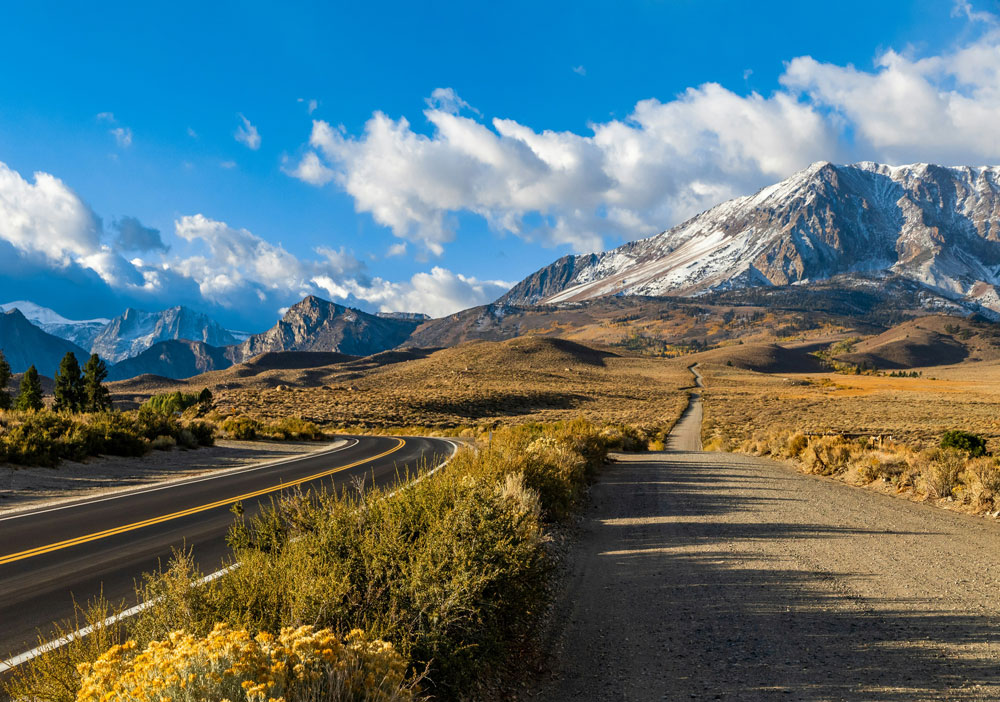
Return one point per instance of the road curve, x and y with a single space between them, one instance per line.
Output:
50 557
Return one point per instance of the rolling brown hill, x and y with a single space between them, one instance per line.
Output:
935 340
762 358
524 379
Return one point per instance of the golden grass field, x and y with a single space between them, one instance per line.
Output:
915 411
478 384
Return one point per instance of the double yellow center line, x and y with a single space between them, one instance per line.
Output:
38 551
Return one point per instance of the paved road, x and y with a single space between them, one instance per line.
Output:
720 576
50 556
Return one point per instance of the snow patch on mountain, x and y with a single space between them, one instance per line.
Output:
935 225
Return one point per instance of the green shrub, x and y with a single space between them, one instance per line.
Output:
176 402
294 428
972 444
163 443
241 428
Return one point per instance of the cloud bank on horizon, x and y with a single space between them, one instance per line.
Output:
624 178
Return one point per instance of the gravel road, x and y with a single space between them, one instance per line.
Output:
720 576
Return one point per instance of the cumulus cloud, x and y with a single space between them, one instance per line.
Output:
311 170
938 108
247 134
46 218
49 233
134 236
438 293
627 178
667 160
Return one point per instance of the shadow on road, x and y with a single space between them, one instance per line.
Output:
703 578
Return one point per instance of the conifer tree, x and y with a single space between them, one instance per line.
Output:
96 396
69 391
5 400
29 398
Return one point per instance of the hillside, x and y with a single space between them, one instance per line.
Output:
527 379
924 223
176 358
24 345
928 341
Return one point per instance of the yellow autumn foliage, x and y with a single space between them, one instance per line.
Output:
299 665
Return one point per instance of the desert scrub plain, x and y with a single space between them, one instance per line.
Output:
881 432
476 385
434 590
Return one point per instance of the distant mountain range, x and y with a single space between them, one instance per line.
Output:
937 226
179 342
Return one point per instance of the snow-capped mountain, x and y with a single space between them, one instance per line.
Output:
81 332
135 331
934 225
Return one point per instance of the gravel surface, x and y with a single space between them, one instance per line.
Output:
721 576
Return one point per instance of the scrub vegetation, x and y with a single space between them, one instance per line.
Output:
447 578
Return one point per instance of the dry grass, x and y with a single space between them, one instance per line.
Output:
915 411
479 384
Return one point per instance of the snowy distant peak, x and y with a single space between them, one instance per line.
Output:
936 225
134 331
43 315
80 332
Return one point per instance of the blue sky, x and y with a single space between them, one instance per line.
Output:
421 156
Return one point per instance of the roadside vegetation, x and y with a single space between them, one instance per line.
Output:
444 580
958 472
81 421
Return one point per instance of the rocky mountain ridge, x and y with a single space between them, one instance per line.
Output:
934 225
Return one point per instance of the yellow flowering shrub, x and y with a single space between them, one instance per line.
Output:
299 665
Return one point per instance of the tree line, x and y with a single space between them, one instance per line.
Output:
76 390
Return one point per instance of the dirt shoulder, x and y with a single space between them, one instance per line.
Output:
721 576
35 487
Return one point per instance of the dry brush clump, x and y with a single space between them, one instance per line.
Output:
453 571
972 483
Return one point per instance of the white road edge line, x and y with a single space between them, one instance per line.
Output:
339 445
22 658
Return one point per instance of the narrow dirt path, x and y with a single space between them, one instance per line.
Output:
686 434
720 576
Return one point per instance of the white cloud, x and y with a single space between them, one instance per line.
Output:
580 70
396 250
192 133
123 136
667 160
438 293
228 165
106 117
311 105
629 177
247 134
311 170
46 218
939 108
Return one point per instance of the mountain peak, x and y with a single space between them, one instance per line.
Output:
932 224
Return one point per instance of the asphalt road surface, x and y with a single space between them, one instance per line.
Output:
51 556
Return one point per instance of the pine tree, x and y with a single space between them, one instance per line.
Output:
29 398
5 401
96 396
69 392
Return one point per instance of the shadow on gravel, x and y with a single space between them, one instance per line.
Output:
661 606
